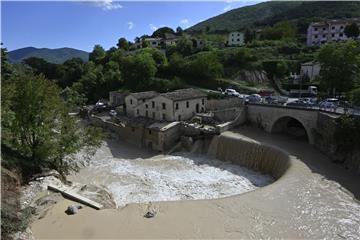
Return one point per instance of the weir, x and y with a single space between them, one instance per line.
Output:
249 153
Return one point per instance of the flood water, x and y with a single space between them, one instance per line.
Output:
135 175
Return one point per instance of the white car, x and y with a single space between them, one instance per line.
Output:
231 92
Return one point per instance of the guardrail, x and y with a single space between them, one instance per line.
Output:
337 110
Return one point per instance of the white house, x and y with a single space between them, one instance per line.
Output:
327 31
172 106
236 39
153 42
310 70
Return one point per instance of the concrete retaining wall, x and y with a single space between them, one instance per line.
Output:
219 104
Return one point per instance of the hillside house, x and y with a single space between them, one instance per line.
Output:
235 39
327 31
178 105
310 70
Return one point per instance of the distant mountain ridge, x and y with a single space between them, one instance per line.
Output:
268 13
56 55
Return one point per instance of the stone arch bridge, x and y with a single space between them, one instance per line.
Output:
274 118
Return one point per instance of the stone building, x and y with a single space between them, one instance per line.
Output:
178 105
135 101
117 98
327 31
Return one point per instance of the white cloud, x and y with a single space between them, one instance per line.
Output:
184 21
106 5
153 27
131 25
227 8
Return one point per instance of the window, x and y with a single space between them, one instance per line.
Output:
238 40
153 43
315 29
143 100
187 104
149 132
238 34
333 27
163 116
179 117
130 101
340 35
133 129
341 27
177 106
137 111
146 113
163 105
333 35
153 104
153 115
316 36
324 35
324 29
146 106
203 101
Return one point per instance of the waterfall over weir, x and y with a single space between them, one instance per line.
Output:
248 153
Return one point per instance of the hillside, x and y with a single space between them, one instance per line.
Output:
58 55
268 13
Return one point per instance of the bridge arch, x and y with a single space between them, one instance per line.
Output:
292 126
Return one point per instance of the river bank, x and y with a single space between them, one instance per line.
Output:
309 201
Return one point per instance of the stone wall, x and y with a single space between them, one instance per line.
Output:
325 142
219 104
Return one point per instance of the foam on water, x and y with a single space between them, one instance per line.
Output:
167 177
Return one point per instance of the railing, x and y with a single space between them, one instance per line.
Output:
336 110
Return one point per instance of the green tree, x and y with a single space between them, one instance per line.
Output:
352 30
339 66
281 30
160 32
71 71
179 31
6 68
184 46
41 129
138 71
41 66
204 66
97 54
123 44
355 96
249 35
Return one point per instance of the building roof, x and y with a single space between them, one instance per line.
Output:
144 95
183 94
335 21
311 63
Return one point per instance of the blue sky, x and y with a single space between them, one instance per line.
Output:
81 25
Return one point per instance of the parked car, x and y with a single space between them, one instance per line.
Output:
299 103
231 92
329 103
271 100
254 98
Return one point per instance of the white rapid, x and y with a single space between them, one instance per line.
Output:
134 175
